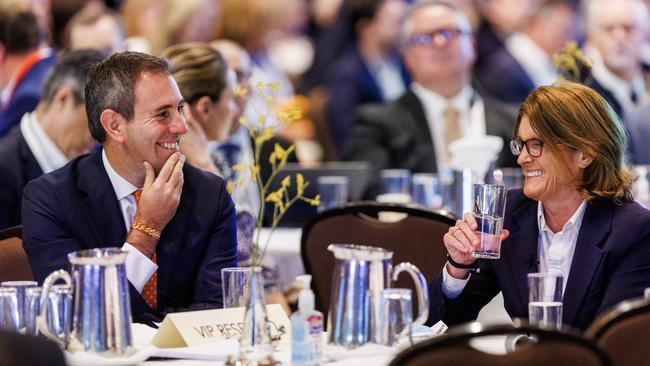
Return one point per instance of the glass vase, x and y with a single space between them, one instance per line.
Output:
255 345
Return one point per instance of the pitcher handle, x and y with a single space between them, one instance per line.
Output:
421 287
42 315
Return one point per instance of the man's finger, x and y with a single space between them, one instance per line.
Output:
168 168
150 174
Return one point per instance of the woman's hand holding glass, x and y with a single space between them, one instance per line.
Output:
461 241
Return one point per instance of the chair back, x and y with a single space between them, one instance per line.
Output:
544 347
623 332
417 239
14 265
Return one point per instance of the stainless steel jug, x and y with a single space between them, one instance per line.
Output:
360 273
101 311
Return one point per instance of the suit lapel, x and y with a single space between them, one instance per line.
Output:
412 105
100 204
31 169
522 243
588 254
173 238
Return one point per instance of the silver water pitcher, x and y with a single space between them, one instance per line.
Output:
101 307
360 274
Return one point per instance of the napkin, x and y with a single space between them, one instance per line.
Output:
475 153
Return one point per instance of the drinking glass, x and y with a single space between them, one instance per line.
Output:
8 309
333 191
234 285
21 287
396 317
32 309
59 311
426 190
396 185
512 178
545 299
489 209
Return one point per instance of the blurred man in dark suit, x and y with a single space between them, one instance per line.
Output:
23 64
48 137
371 71
414 131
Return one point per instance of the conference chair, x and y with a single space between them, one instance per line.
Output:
624 332
416 238
14 265
460 347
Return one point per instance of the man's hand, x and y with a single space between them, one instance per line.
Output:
158 201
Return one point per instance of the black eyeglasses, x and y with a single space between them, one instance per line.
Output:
439 36
533 146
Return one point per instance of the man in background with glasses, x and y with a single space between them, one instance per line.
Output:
441 105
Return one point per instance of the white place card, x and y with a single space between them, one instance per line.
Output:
208 326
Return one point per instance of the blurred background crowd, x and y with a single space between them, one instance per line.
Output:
331 57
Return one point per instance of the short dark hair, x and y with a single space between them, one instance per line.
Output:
71 69
19 28
111 85
357 10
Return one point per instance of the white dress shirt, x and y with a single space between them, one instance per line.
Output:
139 268
620 88
535 62
389 79
471 117
554 251
47 154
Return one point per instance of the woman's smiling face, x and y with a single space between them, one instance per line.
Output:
552 176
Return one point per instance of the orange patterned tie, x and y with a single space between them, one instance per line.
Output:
150 289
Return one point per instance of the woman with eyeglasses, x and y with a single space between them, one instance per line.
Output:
575 215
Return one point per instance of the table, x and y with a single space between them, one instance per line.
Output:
284 247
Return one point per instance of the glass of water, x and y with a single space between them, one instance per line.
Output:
8 309
234 284
489 209
396 317
333 191
426 190
396 185
545 299
21 288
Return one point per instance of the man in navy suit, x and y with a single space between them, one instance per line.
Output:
48 137
177 222
23 65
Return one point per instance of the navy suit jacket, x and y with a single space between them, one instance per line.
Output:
26 94
396 135
611 263
351 84
501 76
75 208
17 167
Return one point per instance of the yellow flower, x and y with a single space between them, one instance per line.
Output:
260 86
241 91
274 87
243 121
286 182
265 135
300 184
289 115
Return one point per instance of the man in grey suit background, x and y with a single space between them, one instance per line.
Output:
441 106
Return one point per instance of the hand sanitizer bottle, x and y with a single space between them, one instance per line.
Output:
306 328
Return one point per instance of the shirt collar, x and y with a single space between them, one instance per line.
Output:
48 156
462 100
122 187
573 224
